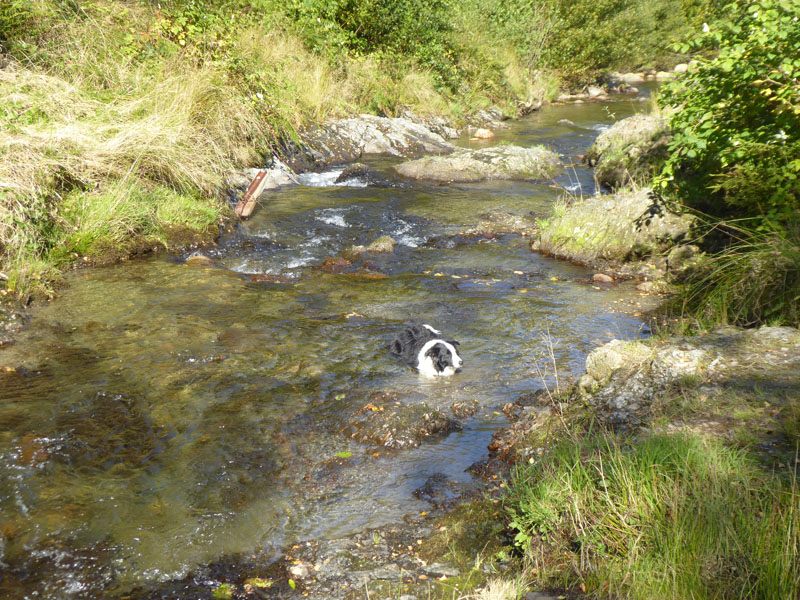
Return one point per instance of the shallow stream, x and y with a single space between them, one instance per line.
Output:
163 414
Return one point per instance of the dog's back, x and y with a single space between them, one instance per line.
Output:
410 341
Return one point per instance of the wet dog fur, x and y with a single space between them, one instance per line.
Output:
423 348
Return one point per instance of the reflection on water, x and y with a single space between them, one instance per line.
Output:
162 414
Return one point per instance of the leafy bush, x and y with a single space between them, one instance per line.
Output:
736 146
585 37
401 29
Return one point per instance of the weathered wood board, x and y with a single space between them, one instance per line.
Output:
246 206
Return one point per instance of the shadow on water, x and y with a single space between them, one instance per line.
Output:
164 414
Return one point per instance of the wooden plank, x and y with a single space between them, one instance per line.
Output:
246 206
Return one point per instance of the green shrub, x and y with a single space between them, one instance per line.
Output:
396 29
736 146
585 37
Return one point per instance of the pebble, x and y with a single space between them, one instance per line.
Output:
199 260
603 278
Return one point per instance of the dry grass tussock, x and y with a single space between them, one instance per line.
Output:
182 131
497 589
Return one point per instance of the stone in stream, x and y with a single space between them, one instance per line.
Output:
611 229
497 162
382 245
354 171
386 421
602 278
200 260
483 134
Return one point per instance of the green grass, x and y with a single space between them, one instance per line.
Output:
754 281
665 516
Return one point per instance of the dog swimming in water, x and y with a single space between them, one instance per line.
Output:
424 348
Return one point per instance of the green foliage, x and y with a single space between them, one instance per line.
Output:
659 517
394 29
736 146
586 37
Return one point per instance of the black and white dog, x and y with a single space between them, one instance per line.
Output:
422 348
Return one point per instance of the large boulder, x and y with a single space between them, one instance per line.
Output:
611 228
631 151
498 162
346 140
623 379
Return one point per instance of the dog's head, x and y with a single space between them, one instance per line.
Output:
444 358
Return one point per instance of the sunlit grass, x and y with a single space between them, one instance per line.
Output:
660 517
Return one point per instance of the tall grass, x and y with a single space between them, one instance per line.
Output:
103 117
661 517
755 280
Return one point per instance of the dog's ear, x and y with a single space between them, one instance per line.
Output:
397 347
434 352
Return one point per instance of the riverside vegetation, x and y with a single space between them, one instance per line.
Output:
121 119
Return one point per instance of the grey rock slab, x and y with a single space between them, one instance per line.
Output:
497 162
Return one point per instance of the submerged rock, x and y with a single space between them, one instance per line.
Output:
498 162
630 151
495 223
383 245
200 260
384 421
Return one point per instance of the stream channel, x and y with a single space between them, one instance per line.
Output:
163 414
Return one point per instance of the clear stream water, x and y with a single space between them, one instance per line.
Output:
163 414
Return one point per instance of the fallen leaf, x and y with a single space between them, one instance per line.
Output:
259 582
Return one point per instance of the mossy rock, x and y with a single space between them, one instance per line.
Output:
631 151
611 229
